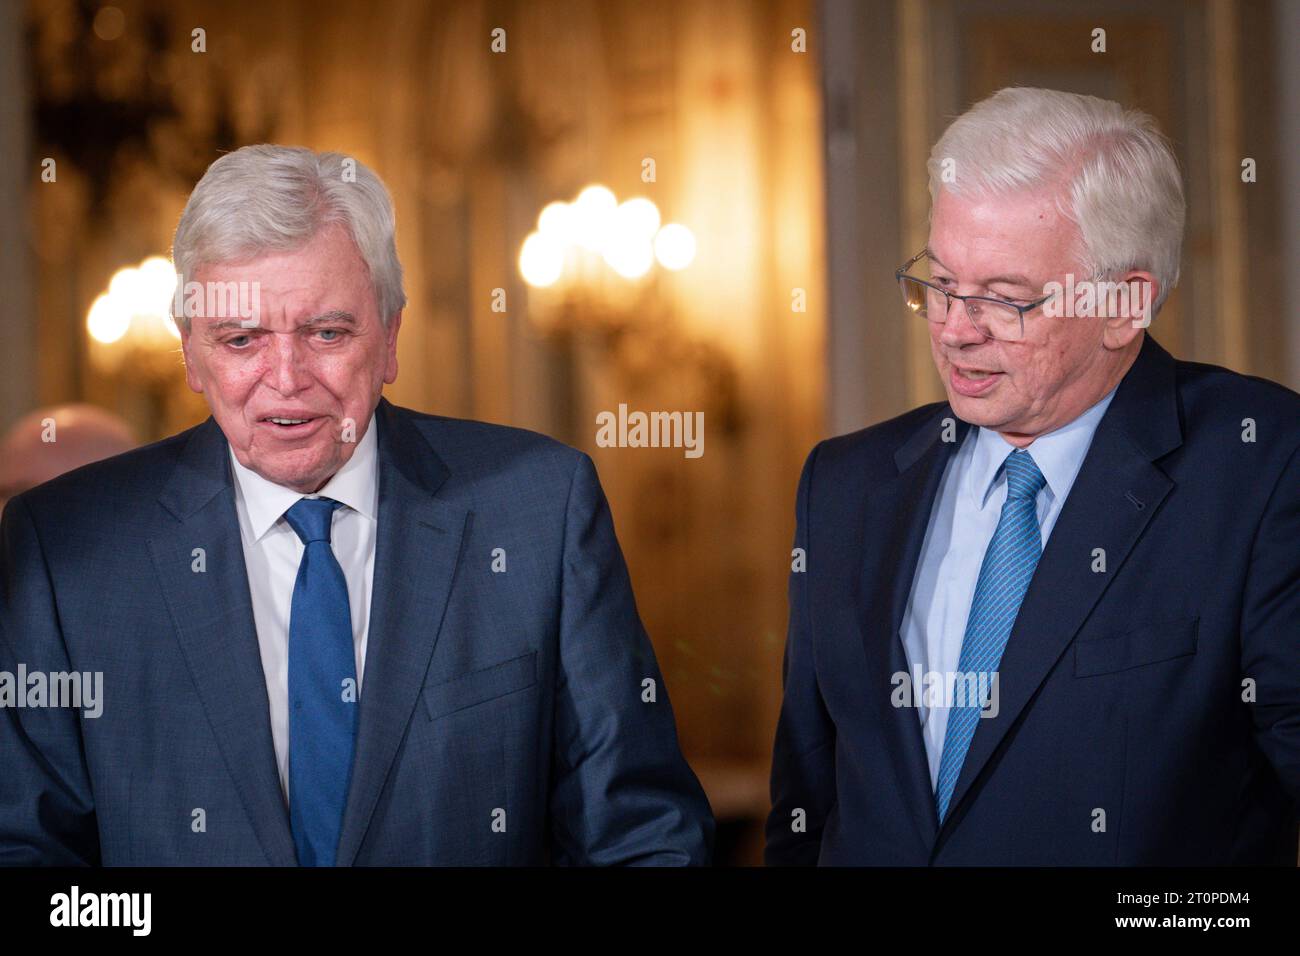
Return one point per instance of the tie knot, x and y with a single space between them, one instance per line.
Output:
310 518
1024 480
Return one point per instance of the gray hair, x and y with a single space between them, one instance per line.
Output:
1121 182
267 198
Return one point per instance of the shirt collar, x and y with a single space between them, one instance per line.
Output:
355 485
1059 454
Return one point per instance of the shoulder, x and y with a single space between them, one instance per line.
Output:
482 451
1210 393
870 450
112 483
1239 425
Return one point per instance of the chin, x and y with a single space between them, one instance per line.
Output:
295 475
977 411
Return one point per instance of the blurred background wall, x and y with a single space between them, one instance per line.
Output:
788 136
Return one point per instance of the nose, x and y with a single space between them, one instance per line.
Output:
287 364
958 329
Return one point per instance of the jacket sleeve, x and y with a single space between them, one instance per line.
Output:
803 757
1270 629
622 791
47 813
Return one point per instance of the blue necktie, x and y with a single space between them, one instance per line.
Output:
1004 577
322 688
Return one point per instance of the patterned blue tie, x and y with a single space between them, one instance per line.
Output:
322 688
1009 564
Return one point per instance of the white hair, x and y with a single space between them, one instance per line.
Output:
267 198
1120 181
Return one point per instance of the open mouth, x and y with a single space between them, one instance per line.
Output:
972 382
291 426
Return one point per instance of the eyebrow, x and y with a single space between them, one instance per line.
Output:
1016 280
333 317
227 324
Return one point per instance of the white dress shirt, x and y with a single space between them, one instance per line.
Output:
273 551
962 521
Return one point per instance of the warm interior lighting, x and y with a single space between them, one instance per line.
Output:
631 256
593 214
675 246
137 305
107 321
557 221
626 236
637 217
541 260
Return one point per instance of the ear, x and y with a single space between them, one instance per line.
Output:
1133 295
390 359
191 378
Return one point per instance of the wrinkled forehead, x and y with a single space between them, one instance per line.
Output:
1023 231
322 280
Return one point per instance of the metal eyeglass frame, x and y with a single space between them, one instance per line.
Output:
901 273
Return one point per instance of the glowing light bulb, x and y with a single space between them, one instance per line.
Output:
631 256
158 284
675 246
126 287
107 320
541 260
593 214
558 222
637 217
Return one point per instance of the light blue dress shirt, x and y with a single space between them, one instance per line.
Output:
962 521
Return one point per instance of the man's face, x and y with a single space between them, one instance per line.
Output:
316 355
1009 247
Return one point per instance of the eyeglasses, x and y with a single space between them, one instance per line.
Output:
992 318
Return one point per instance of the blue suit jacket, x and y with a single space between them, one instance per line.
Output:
502 718
1122 735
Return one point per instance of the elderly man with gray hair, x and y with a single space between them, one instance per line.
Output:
332 631
1053 619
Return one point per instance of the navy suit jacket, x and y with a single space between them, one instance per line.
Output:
1122 736
503 718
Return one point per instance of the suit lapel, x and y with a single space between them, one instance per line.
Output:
212 613
1117 491
417 551
895 526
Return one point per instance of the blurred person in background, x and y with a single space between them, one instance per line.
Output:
51 441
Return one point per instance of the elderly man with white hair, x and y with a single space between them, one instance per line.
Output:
331 630
1054 619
